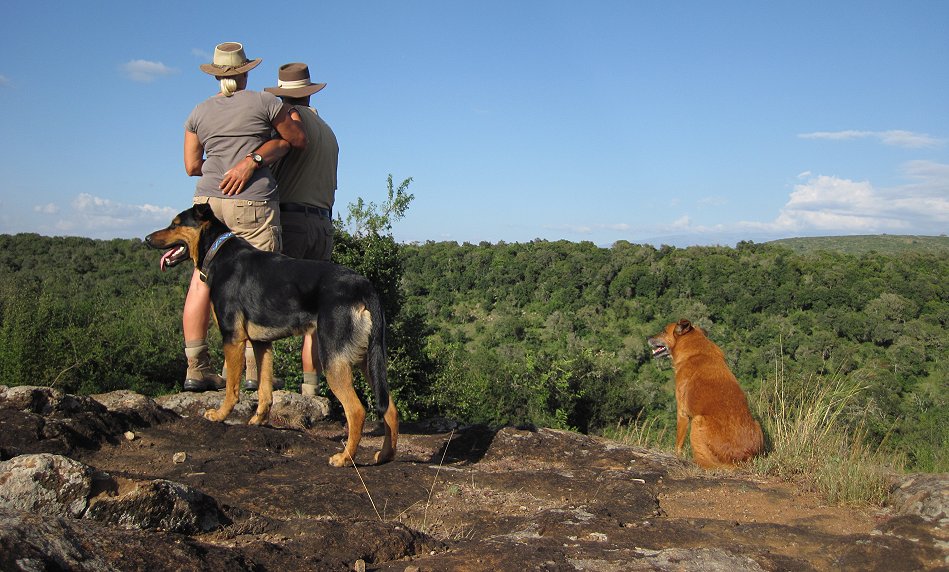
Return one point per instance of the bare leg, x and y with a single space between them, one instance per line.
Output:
311 365
197 311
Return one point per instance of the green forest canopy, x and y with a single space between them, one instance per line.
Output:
544 333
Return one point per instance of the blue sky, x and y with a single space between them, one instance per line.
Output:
653 122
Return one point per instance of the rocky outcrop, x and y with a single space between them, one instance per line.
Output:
290 410
123 482
923 495
46 484
53 485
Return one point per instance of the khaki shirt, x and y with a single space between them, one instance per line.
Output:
309 176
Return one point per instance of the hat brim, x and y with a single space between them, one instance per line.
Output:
219 71
296 91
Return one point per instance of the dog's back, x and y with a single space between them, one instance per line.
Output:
707 393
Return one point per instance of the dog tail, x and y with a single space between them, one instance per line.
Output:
376 355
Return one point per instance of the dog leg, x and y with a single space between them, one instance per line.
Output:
263 354
234 362
391 439
682 428
391 423
702 439
339 376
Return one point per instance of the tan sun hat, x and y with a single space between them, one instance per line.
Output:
229 60
293 80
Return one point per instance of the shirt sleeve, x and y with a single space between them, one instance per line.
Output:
272 104
191 123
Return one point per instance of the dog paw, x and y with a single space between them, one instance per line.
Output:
339 460
383 457
213 415
258 419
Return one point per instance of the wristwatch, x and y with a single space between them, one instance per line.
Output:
258 160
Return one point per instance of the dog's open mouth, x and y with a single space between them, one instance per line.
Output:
659 350
173 256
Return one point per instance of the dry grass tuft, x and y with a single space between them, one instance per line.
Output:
817 439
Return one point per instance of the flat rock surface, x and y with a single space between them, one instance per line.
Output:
460 498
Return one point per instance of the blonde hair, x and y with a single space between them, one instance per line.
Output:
228 86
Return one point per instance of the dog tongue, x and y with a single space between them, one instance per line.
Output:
168 254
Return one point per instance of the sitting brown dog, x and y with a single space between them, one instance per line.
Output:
707 393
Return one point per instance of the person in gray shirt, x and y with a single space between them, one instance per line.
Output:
229 145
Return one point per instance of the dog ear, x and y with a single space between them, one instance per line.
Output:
683 327
203 211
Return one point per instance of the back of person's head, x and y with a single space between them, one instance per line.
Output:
230 67
229 86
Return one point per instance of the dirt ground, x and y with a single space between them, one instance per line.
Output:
470 498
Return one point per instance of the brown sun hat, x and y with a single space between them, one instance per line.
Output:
293 80
229 60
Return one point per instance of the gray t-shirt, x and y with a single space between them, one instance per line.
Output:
229 128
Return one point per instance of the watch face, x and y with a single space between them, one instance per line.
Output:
258 158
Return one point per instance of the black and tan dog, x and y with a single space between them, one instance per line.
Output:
263 296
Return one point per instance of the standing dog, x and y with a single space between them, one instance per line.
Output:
263 296
707 393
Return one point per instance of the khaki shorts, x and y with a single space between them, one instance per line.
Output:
257 222
307 236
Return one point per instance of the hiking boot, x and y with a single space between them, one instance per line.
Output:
200 376
214 382
251 384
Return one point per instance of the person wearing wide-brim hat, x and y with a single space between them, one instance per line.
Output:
228 145
229 60
307 182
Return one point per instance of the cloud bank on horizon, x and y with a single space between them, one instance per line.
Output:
819 204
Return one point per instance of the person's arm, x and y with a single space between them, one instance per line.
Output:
236 178
291 135
290 128
194 154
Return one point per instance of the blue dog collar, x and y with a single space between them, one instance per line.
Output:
218 242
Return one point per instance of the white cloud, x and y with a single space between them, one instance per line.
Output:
713 201
200 54
48 208
929 178
144 71
823 204
683 223
89 215
589 229
896 138
835 205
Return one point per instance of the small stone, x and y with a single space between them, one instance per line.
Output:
179 457
360 566
129 436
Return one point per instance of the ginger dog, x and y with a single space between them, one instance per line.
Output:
707 394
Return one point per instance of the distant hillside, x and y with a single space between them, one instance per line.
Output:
862 244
